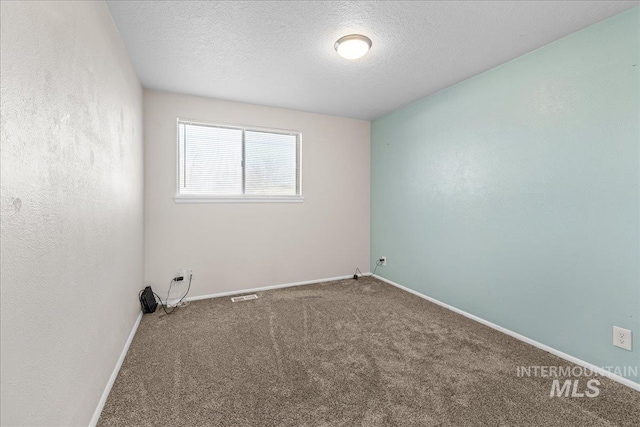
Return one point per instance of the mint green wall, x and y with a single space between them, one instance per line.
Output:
514 195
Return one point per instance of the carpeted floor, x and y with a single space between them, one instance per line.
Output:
346 353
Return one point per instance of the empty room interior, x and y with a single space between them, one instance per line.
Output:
320 213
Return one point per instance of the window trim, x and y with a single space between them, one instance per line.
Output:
186 198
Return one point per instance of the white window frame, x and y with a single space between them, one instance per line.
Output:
187 198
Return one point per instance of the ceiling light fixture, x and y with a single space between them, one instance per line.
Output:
353 46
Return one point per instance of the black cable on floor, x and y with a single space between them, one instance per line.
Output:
378 264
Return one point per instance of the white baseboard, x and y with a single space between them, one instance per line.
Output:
267 288
114 374
603 372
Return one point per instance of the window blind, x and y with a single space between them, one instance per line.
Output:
270 164
221 161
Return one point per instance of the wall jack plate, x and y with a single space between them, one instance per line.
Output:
622 338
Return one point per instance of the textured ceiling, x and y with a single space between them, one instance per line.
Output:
281 53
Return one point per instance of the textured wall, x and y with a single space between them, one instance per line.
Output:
234 246
72 208
514 195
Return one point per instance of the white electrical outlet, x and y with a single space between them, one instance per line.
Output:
384 260
622 338
184 272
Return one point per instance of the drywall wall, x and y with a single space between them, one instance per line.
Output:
514 195
72 208
235 246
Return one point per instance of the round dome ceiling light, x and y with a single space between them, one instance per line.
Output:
353 46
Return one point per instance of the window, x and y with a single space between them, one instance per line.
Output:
227 163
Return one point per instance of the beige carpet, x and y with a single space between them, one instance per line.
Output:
346 353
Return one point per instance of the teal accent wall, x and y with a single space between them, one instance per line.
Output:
514 195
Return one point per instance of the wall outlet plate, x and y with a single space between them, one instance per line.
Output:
185 272
384 260
622 338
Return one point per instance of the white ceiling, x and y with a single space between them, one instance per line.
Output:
281 53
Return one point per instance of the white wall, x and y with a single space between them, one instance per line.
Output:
72 208
235 246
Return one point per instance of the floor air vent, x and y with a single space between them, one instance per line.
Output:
244 298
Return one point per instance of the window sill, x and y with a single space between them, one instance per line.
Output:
205 199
